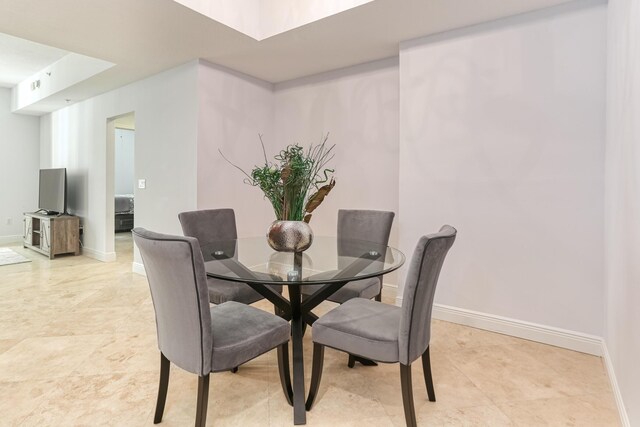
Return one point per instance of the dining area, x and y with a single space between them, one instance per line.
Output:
210 264
224 299
202 285
464 255
89 330
318 323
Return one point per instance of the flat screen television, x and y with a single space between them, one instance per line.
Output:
53 191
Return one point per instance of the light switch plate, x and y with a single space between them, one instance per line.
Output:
142 183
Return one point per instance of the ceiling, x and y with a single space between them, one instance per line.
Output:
21 58
144 37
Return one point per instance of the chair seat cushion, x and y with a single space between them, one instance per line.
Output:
221 291
361 327
241 332
365 288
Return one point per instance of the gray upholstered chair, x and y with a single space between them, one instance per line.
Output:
369 225
388 333
210 225
191 335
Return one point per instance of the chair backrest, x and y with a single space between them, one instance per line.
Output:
209 225
178 283
419 290
369 225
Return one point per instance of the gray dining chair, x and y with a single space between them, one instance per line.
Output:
387 333
353 224
191 334
212 225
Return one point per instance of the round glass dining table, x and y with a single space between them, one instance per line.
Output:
326 266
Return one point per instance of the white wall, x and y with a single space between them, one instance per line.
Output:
225 110
233 110
165 106
501 135
622 215
358 107
124 159
19 160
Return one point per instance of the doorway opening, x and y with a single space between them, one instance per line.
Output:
121 130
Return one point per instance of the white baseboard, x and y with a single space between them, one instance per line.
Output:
563 338
100 256
5 240
622 412
518 328
138 268
390 287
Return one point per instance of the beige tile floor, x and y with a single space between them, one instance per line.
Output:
77 347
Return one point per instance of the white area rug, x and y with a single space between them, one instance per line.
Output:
8 256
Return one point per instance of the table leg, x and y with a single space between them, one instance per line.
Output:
285 375
300 315
299 411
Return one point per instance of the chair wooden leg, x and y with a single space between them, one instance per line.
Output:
203 400
234 370
165 366
285 374
428 378
407 395
364 362
316 374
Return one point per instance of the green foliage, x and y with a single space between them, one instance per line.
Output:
292 182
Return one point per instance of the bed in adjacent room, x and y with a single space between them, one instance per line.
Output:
124 212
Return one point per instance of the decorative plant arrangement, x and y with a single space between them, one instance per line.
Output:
293 182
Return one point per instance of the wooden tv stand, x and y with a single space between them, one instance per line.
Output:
52 235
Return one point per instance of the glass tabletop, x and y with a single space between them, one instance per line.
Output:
328 260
